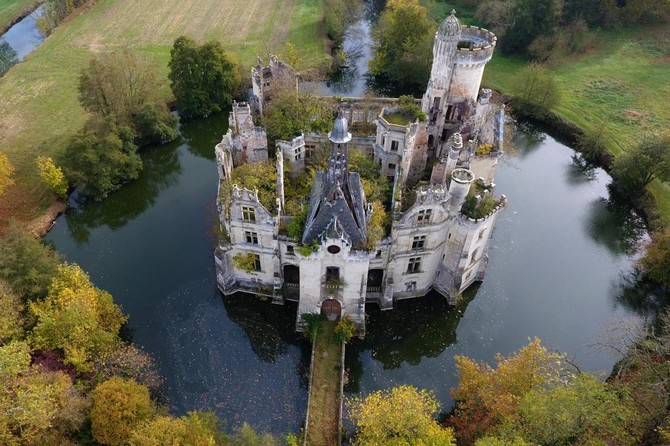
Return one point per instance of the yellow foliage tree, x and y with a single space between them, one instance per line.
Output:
52 175
195 429
485 396
6 172
36 407
119 406
11 314
78 318
402 416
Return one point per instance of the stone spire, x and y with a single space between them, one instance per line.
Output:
339 137
337 198
451 27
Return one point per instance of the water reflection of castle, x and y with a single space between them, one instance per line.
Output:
439 235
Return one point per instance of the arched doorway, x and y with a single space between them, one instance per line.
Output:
331 308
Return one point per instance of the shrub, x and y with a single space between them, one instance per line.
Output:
52 175
313 321
345 329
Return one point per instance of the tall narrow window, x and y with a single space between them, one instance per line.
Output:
394 146
252 237
419 242
424 216
414 265
257 262
248 213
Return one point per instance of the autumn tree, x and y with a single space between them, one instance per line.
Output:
36 407
590 412
26 264
52 175
203 77
122 86
11 314
485 396
399 416
6 172
76 317
656 262
194 429
404 37
101 158
639 166
119 406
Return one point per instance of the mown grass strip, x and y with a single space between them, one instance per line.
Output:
324 389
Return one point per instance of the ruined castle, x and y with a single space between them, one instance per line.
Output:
443 210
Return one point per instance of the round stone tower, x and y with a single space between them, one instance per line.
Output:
461 179
460 54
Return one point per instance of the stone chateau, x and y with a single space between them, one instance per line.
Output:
439 235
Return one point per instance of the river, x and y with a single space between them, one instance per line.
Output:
24 36
559 252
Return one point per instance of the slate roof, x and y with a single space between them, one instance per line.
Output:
336 204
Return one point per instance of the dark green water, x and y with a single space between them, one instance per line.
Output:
558 253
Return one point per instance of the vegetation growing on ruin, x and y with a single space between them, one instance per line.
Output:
345 329
245 261
261 176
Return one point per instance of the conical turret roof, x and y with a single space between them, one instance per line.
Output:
451 27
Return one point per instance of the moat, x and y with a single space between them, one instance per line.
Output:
558 253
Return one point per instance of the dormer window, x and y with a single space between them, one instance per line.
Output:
248 213
424 216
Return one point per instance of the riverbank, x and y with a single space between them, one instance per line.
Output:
13 11
621 86
40 112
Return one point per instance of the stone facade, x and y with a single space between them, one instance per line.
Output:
440 232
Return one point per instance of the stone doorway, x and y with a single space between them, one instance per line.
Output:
332 309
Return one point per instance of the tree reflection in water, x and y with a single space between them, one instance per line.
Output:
413 330
161 170
269 328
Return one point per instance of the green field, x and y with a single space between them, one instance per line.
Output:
11 9
39 111
623 84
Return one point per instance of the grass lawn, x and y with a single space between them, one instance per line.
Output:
324 391
11 9
39 110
